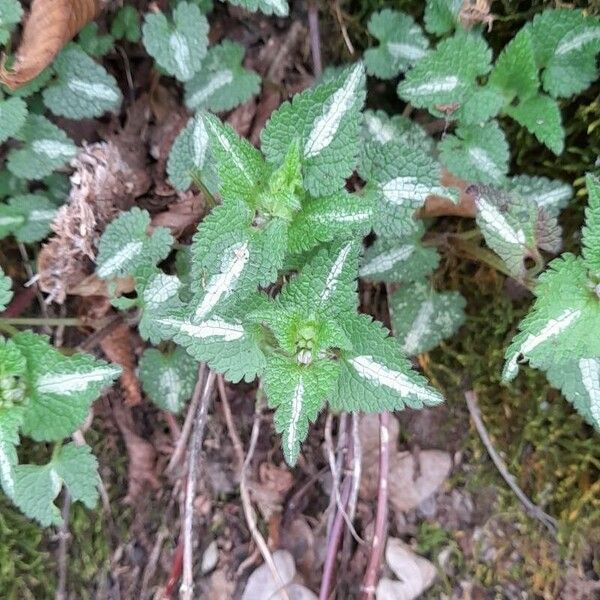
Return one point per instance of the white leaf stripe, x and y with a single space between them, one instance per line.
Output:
334 274
127 253
7 221
6 471
380 375
211 328
217 81
335 216
223 283
69 383
386 260
93 90
496 222
552 328
572 42
41 215
181 53
230 150
170 385
484 163
590 376
161 288
405 51
405 189
382 132
297 403
563 192
199 142
420 328
53 148
337 106
446 83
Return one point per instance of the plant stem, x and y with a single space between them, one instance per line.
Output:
249 512
42 321
380 533
186 590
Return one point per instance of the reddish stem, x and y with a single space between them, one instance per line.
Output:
176 568
379 535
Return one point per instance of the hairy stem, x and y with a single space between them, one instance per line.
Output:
187 585
380 533
249 512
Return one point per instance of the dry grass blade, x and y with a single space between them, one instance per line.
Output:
50 25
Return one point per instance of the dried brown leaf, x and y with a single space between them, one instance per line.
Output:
49 26
142 455
118 347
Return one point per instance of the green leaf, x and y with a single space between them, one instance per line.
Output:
566 44
551 195
83 88
13 114
35 85
241 167
326 285
298 393
10 422
375 376
126 24
222 83
422 317
268 7
157 294
476 153
442 16
481 106
448 75
37 486
126 246
60 388
46 148
10 14
340 216
399 260
5 290
10 185
401 44
591 230
188 159
168 378
400 178
541 116
94 43
229 345
382 129
325 122
231 256
178 45
514 227
579 381
564 322
515 71
28 217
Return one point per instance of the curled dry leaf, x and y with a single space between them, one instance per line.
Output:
271 488
262 586
438 206
108 177
409 484
118 348
415 573
180 216
50 25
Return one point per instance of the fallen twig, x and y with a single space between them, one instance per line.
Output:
181 446
231 430
533 509
380 532
187 585
63 546
249 512
333 542
315 38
